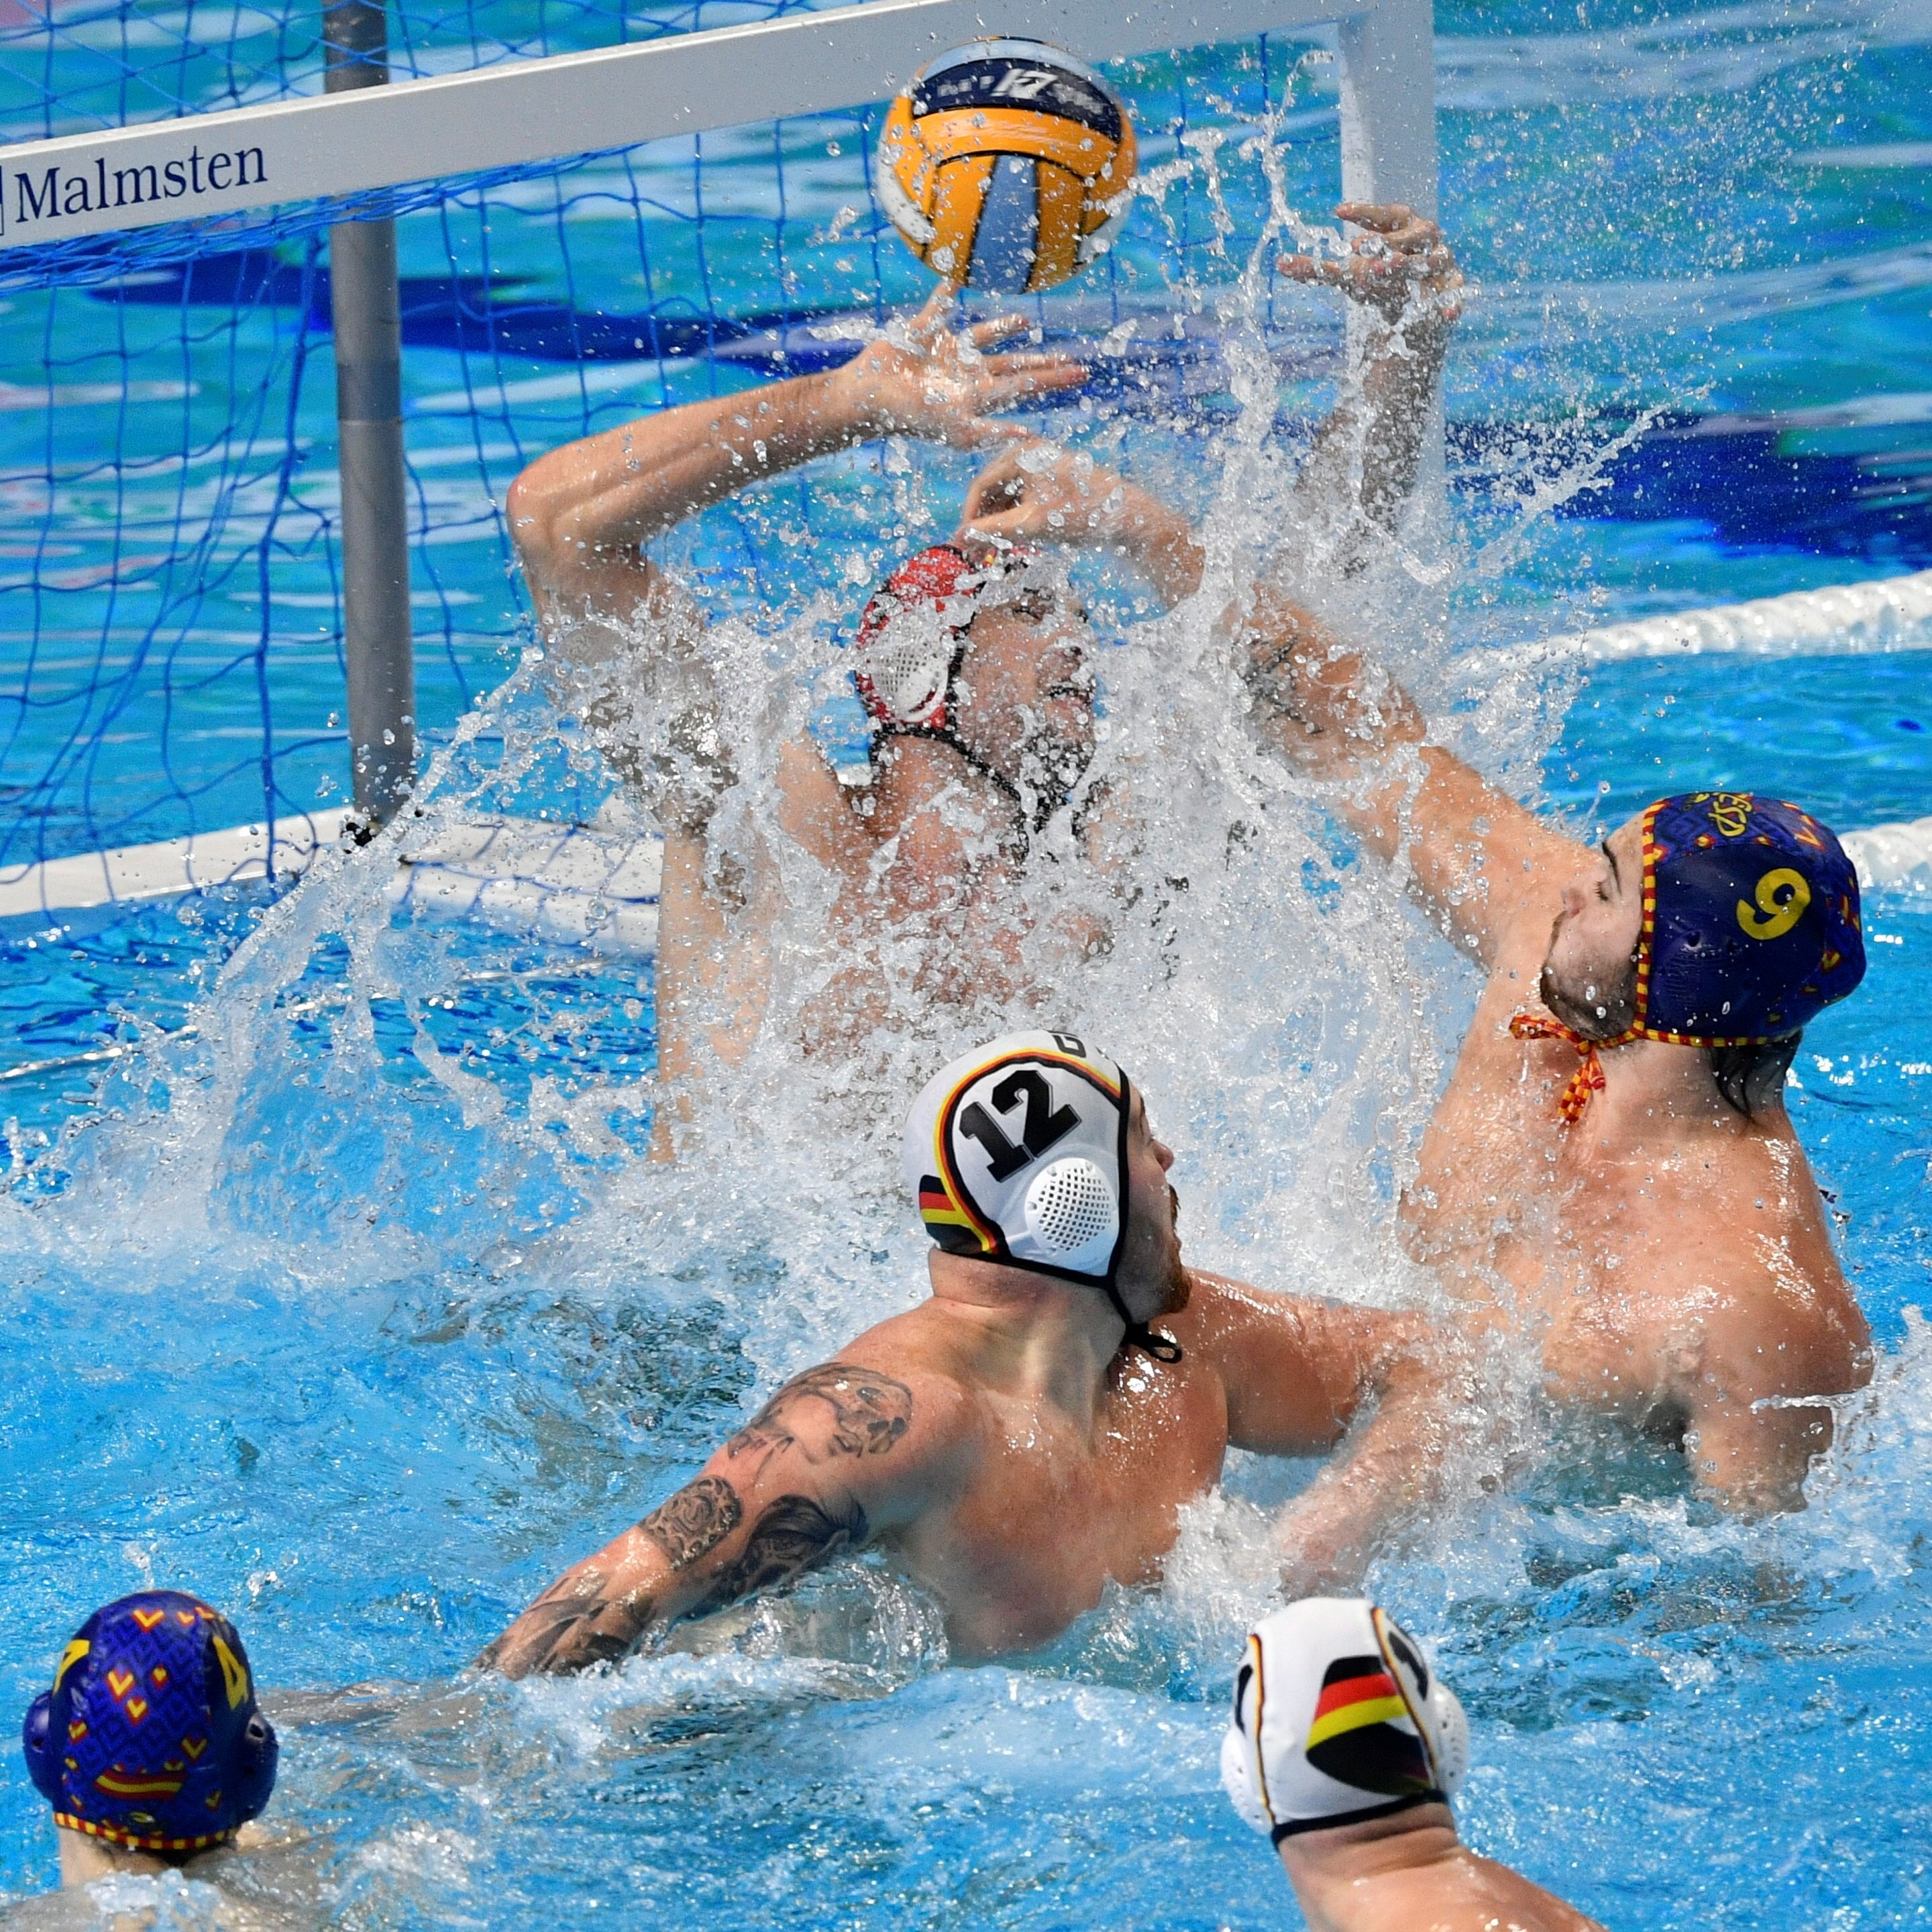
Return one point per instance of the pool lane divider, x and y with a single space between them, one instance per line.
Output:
593 885
1869 619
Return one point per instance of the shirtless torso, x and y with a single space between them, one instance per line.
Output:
923 863
1013 1456
1670 1251
944 893
1665 1258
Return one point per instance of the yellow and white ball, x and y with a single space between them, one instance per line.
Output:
1006 165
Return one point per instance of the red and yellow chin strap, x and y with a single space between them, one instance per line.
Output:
1589 1077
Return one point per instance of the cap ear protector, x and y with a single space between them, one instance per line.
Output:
1017 1153
912 638
151 1737
1338 1718
912 633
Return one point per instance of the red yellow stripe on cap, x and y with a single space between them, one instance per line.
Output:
1353 1701
958 1201
119 1783
938 1207
952 1208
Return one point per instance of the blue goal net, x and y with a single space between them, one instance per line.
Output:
170 610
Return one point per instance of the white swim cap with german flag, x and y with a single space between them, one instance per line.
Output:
1338 1718
1017 1152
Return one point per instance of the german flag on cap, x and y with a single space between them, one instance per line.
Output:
1355 1737
950 1228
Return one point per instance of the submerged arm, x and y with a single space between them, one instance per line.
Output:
836 1456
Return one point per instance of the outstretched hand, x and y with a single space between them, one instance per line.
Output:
1398 260
929 380
1035 492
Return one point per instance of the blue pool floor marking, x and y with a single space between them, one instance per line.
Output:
1732 474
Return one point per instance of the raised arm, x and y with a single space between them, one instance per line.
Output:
1364 460
839 1455
1037 493
1483 864
581 515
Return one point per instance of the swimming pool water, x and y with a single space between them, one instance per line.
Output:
352 1306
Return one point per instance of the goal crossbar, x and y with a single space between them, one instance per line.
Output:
526 112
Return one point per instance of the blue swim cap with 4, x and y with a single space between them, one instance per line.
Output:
151 1737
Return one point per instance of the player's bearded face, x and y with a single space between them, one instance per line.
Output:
1027 692
1178 1289
1596 1000
1589 974
1153 1280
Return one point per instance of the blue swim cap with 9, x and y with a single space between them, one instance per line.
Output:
1750 923
151 1737
1750 927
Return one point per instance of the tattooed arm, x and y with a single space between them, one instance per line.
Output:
840 1454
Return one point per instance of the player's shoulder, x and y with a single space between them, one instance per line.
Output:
1792 1335
1771 1288
1214 1298
1223 1313
903 1367
877 1417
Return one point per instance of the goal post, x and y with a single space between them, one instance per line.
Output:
343 149
339 145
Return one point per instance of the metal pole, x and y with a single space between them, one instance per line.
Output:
1388 105
1389 154
369 425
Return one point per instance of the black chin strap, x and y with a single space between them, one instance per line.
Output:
1295 1827
944 734
1161 1348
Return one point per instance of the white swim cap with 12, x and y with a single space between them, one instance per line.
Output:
1017 1152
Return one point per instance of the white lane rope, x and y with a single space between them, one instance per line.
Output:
1893 614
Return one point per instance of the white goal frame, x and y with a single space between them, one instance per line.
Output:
375 134
523 113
